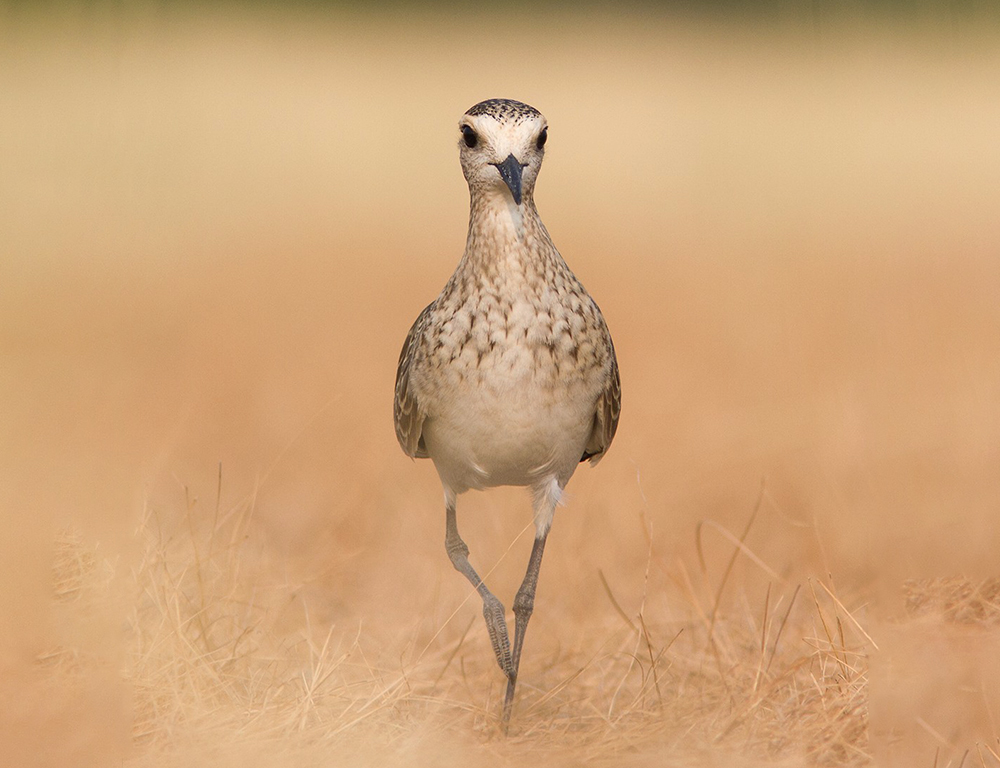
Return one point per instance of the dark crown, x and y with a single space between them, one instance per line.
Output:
504 109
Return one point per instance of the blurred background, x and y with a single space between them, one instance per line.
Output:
218 220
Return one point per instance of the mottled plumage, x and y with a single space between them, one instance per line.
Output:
509 377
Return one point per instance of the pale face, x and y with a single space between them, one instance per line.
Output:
501 146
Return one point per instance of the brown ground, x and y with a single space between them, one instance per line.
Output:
215 231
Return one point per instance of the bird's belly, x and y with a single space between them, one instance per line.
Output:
521 435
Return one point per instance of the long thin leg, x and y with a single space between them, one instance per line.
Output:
493 610
524 603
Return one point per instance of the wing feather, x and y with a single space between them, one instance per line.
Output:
607 411
407 415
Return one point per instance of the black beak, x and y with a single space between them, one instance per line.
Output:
510 172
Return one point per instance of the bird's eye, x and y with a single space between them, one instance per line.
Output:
540 142
469 136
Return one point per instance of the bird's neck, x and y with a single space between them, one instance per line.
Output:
504 236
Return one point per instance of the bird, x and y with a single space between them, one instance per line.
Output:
509 377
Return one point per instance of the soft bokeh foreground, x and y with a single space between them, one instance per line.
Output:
215 230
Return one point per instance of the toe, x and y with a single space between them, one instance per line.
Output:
496 625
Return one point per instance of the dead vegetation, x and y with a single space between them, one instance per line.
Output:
216 679
955 600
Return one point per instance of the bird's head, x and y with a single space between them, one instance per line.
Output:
501 144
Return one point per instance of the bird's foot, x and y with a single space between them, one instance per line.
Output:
496 625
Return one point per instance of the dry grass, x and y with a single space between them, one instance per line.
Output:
955 600
216 677
214 234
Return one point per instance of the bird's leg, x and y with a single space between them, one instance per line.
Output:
524 603
493 610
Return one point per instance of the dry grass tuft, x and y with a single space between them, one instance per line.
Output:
955 600
220 671
207 663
